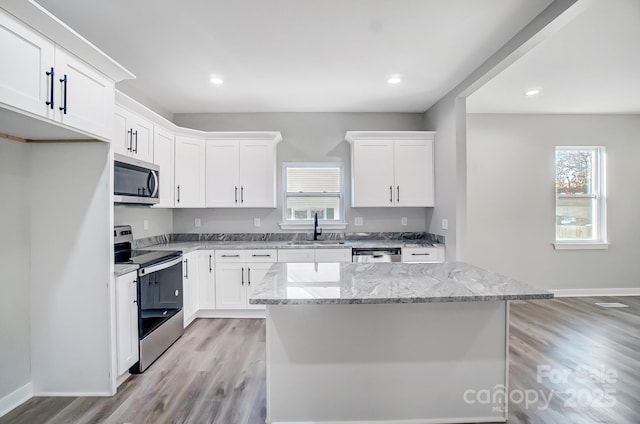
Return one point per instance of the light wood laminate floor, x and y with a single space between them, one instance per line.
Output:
568 350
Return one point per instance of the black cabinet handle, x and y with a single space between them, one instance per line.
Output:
236 195
51 82
249 276
130 134
63 108
230 256
242 276
135 150
390 194
421 254
178 193
186 268
210 266
261 256
241 194
398 197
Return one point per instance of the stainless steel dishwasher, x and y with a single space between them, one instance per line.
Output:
377 254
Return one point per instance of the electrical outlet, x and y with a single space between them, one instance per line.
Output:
198 223
445 224
403 221
358 222
256 222
145 224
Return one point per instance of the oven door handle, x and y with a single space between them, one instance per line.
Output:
160 266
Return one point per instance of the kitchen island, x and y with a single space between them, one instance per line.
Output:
387 342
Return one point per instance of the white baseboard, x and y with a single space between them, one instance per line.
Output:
16 398
595 292
413 421
231 313
72 394
121 379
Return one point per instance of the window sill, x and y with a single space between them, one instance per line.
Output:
566 245
309 226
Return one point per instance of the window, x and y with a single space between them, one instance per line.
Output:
312 188
580 197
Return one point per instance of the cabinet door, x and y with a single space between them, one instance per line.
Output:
121 141
206 280
413 173
163 157
90 96
142 139
26 58
296 255
333 255
222 164
372 173
126 322
255 274
257 174
190 286
190 172
231 292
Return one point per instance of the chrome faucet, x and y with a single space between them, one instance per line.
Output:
316 231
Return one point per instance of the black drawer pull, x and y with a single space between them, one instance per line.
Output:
421 254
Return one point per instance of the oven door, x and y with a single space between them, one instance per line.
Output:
135 181
159 294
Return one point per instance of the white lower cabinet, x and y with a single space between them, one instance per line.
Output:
237 271
423 254
206 280
190 287
314 255
127 321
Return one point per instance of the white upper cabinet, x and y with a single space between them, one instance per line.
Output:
392 169
27 62
133 135
241 173
163 145
44 79
189 172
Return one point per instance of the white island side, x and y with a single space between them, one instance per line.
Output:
387 342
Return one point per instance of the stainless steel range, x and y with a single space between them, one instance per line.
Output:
160 321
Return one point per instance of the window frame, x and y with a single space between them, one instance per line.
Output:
288 223
598 194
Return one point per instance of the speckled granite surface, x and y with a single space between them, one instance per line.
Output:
367 283
122 269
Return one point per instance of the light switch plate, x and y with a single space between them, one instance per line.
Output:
145 224
256 222
358 222
198 223
445 224
403 221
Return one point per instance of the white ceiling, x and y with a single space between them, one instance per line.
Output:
592 65
296 55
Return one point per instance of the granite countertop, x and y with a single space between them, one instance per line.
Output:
190 246
122 269
367 283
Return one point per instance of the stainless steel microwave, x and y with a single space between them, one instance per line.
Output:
135 182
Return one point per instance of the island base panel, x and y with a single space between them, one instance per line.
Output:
381 363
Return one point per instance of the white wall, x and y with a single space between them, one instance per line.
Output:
15 171
71 266
511 203
160 221
314 137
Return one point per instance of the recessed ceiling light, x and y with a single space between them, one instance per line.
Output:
394 79
216 80
532 92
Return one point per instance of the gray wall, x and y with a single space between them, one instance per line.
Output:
160 221
314 137
15 188
511 209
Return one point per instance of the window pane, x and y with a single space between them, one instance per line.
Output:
313 180
303 208
574 171
575 218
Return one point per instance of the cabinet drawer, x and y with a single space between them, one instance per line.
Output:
230 255
420 254
296 255
261 255
333 255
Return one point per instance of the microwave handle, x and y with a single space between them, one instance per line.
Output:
153 192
